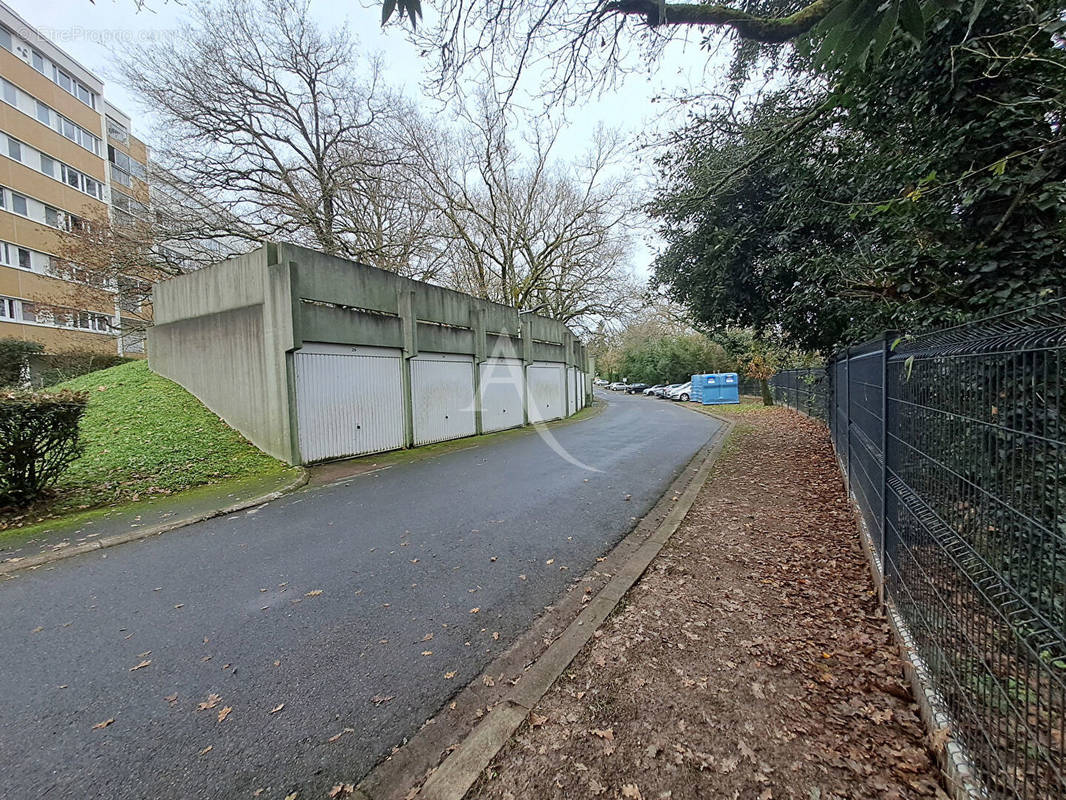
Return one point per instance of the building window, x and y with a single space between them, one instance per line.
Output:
38 62
5 39
8 308
63 80
24 258
48 165
44 114
93 187
14 148
18 204
120 176
9 93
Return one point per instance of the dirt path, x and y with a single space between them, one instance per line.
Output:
750 661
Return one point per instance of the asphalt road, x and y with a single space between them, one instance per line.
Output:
317 603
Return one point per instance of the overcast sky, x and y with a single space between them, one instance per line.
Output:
93 32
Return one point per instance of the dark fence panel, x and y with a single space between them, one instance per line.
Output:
953 446
806 390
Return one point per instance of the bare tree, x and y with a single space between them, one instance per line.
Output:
272 119
590 41
525 229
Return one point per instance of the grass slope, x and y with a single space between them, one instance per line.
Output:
144 434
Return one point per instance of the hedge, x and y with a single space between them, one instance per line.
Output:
38 440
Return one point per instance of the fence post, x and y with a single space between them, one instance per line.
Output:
847 412
886 349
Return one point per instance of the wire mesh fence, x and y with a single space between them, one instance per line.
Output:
954 448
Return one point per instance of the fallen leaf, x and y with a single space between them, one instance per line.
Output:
291 796
550 561
103 724
212 701
427 637
630 789
142 665
536 720
607 734
449 675
180 605
487 680
336 736
313 593
474 610
427 652
225 712
381 699
277 708
495 635
207 749
172 698
38 629
341 790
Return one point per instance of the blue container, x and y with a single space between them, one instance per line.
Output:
699 382
718 389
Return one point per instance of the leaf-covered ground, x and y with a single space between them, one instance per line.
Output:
750 661
144 435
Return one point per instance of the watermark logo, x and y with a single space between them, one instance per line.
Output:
517 380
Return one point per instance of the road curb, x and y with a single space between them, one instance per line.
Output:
30 562
459 770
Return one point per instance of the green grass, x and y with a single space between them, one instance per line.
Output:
144 435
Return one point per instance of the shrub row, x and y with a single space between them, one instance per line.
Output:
38 439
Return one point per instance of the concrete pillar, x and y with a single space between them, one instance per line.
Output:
405 302
477 325
281 309
526 327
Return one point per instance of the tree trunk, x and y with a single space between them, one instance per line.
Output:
767 398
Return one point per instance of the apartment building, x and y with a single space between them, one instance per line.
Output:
67 157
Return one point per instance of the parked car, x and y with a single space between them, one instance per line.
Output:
651 390
662 391
636 388
682 392
599 382
617 386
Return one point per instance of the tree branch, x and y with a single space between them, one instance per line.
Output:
748 26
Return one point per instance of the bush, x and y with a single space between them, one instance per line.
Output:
38 439
14 360
53 368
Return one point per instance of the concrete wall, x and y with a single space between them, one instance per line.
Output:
229 333
217 335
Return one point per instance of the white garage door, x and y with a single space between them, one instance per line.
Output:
442 397
547 391
501 394
349 400
572 386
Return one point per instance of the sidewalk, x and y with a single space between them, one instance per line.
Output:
750 661
103 527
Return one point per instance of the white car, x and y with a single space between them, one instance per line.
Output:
682 392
